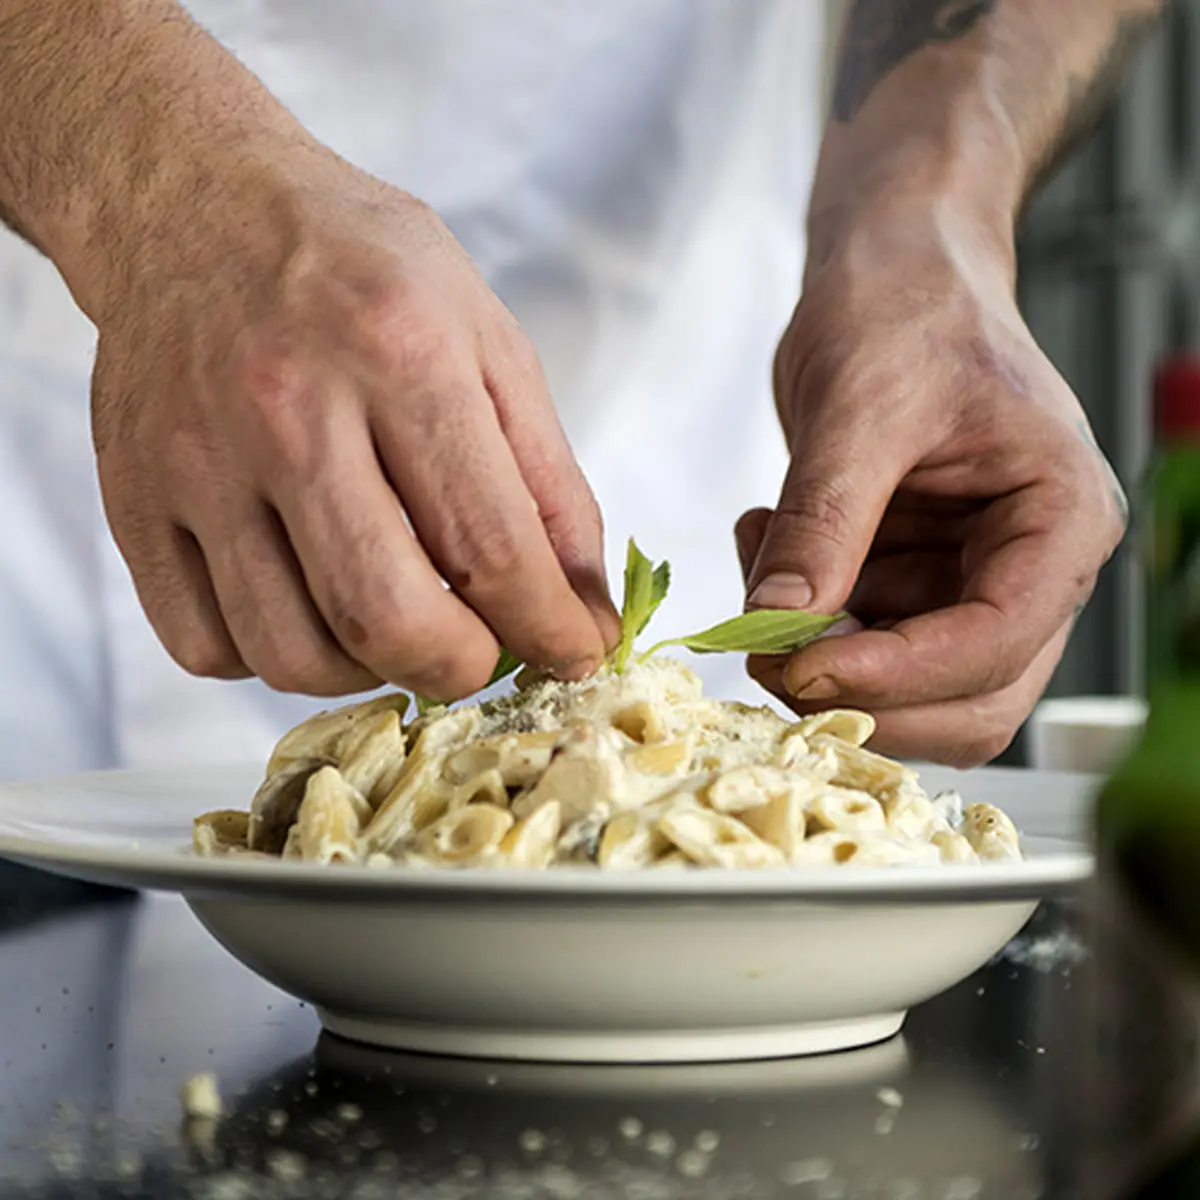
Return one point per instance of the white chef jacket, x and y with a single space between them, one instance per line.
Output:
631 178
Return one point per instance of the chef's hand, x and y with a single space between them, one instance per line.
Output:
944 488
327 451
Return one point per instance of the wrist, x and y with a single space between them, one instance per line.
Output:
910 207
954 168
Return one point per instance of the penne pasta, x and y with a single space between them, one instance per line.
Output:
713 839
632 839
859 768
330 819
782 822
372 756
847 810
324 735
636 770
468 835
845 724
531 842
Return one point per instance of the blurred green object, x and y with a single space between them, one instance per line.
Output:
1148 814
1148 811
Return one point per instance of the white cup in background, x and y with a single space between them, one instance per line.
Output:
1084 733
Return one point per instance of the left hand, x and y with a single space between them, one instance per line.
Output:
945 489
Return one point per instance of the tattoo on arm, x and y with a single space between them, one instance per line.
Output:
881 34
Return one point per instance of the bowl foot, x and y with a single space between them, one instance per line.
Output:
648 1046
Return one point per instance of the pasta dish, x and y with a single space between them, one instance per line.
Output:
623 770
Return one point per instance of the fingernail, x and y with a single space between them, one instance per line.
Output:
576 669
784 589
844 628
821 688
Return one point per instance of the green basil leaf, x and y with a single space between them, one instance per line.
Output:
645 587
660 582
506 664
764 631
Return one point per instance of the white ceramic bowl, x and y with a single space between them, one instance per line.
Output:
570 964
593 979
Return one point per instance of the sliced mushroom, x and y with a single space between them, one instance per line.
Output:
276 803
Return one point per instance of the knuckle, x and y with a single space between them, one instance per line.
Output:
387 326
270 374
271 381
1118 516
980 750
313 675
517 352
1000 672
871 669
480 559
767 673
454 679
203 655
435 668
573 522
283 663
285 676
410 649
399 335
823 506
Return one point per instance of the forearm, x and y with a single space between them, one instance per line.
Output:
111 112
972 99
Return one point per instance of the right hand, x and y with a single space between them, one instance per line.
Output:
309 411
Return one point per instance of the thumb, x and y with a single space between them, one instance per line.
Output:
748 534
816 541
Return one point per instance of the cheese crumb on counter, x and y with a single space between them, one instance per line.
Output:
200 1098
